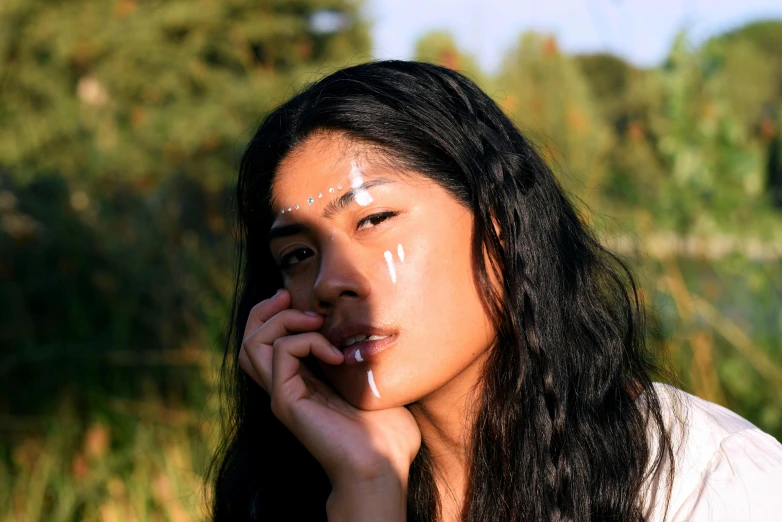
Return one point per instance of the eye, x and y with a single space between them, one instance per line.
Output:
376 219
293 258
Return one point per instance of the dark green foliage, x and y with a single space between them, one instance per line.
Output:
139 89
120 126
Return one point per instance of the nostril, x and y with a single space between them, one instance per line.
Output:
348 293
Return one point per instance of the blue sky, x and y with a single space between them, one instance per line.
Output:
639 30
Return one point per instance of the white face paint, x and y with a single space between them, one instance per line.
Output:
363 197
390 262
372 384
400 252
358 356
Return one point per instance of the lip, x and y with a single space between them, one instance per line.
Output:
366 349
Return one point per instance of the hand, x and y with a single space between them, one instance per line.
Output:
355 447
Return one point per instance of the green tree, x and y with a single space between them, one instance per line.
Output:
750 58
715 168
439 47
141 89
545 93
627 98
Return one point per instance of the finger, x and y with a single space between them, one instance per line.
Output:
258 345
284 323
287 355
247 365
256 359
266 309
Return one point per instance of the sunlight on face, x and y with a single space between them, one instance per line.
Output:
381 254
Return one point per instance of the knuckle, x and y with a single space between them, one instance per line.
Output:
279 343
247 345
256 310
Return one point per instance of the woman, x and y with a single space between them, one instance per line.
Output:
448 341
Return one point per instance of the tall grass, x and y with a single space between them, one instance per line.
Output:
146 463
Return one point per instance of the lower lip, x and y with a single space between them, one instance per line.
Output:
367 349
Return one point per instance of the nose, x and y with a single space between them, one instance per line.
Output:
340 278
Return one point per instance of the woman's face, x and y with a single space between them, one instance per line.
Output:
382 255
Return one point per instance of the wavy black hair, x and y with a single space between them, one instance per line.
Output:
559 434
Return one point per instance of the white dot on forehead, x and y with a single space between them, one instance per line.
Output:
297 206
310 201
320 194
331 190
290 208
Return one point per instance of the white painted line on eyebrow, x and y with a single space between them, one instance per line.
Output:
390 261
400 252
372 384
363 197
356 175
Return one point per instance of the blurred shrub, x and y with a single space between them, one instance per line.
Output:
121 123
140 89
670 165
545 94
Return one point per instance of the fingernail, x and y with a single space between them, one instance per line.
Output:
279 292
313 314
337 349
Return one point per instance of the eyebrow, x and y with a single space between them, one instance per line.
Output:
338 205
334 207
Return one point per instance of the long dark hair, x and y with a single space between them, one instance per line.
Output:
558 435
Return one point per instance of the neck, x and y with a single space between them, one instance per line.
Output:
445 418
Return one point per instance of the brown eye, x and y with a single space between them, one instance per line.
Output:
376 219
295 257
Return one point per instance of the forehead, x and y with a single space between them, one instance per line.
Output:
328 168
319 163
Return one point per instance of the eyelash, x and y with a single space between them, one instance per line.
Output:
375 219
385 215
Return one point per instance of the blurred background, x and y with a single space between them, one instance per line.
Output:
121 122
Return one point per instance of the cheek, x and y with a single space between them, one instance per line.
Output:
424 283
440 307
300 289
438 277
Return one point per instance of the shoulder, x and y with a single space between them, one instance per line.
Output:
726 468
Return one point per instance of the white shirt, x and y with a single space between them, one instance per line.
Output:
727 469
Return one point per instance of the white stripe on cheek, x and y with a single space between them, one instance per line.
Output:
390 262
400 252
372 384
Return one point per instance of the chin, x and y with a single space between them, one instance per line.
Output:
363 388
